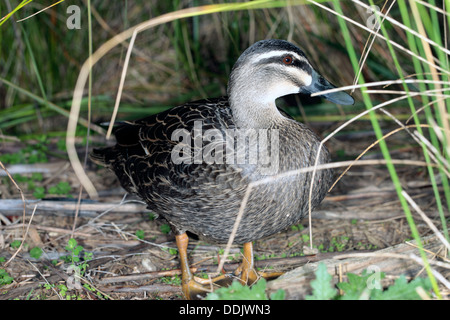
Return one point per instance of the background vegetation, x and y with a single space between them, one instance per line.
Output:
191 58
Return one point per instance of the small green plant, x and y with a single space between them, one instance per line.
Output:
338 243
35 153
74 249
174 280
237 291
39 192
48 286
298 227
62 188
5 278
140 234
364 286
305 237
171 251
74 255
165 228
37 176
95 291
63 292
320 247
36 252
15 244
322 287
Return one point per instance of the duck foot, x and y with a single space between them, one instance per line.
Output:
246 271
196 288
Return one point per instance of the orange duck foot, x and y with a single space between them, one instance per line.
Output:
196 288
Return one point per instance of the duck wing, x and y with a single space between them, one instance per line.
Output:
142 157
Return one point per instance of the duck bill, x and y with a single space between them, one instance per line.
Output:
319 84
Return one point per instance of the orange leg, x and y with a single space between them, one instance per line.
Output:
194 287
247 272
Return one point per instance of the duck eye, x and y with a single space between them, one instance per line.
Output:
287 60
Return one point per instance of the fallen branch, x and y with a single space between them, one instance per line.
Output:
154 288
67 208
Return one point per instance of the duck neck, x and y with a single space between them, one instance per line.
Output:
254 109
248 114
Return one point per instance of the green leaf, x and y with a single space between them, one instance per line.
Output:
322 287
39 192
36 252
237 291
71 244
77 250
62 188
140 234
37 176
165 228
358 287
404 290
280 294
15 244
5 277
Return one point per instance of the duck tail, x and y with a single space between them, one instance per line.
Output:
98 156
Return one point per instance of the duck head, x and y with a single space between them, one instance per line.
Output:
270 69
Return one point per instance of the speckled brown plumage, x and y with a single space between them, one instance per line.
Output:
205 198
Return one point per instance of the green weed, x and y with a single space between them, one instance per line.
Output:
365 286
174 280
237 291
36 252
62 188
15 244
165 228
5 278
140 234
74 256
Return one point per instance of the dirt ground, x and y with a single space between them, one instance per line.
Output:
361 213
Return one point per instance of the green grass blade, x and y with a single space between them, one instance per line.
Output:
383 146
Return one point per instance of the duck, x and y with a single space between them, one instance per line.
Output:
193 163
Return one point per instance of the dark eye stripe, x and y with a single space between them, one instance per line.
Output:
303 65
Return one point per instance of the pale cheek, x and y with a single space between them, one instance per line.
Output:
307 80
282 89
